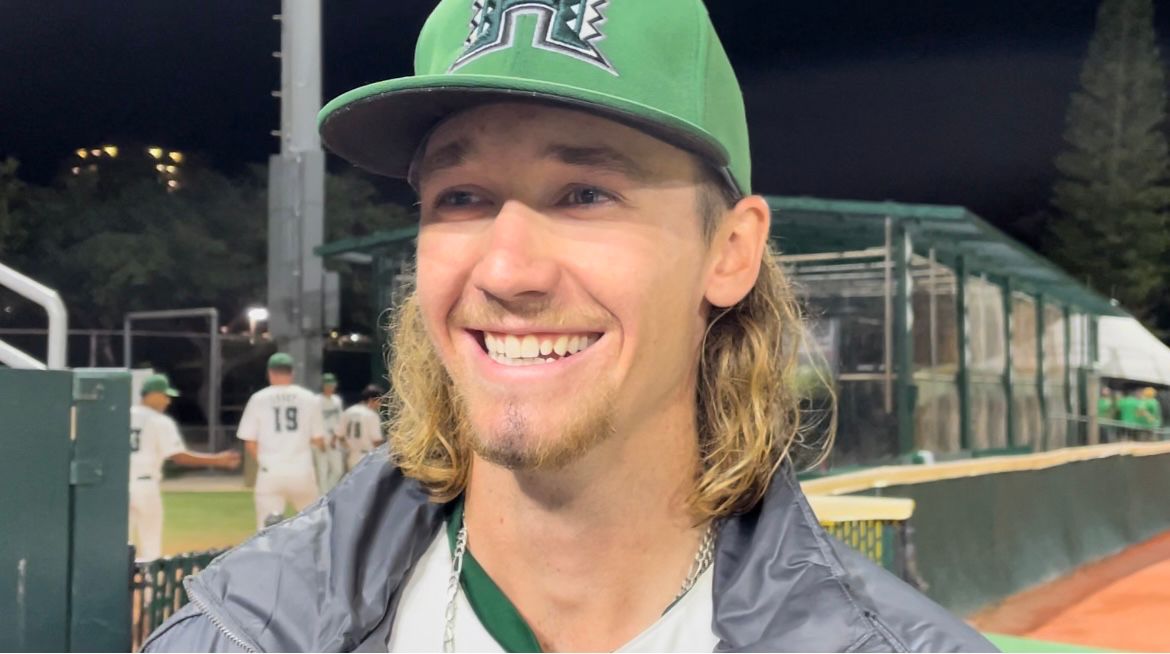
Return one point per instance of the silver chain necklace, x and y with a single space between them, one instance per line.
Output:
703 559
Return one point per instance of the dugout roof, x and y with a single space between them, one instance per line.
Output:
806 225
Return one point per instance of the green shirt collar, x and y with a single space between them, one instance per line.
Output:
494 610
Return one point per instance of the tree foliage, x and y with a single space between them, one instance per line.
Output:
11 193
117 240
1114 191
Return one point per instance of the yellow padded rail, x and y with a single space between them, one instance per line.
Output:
861 481
831 508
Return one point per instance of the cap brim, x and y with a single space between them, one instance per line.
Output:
379 126
172 392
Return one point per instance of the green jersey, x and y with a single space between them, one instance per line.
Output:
1149 412
1127 409
1106 408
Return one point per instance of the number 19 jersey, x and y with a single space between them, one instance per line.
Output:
283 420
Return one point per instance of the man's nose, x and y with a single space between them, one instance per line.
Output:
517 262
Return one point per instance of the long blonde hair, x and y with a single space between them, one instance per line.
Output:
748 408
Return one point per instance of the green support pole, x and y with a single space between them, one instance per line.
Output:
1009 410
963 377
1093 366
1040 377
1068 378
903 339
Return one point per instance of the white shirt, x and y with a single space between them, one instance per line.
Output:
283 420
154 438
362 428
331 408
418 626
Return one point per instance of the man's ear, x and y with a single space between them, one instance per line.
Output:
736 251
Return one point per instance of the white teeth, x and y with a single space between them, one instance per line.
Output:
512 346
513 350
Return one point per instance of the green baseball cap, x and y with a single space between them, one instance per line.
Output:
328 378
656 65
280 360
158 384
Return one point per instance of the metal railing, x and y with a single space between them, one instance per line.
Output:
156 590
58 331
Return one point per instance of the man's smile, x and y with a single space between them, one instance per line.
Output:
534 348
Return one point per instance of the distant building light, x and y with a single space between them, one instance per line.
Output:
176 157
77 170
111 150
95 152
354 338
172 184
171 169
160 168
155 152
82 153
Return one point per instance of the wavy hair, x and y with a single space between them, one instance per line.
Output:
747 401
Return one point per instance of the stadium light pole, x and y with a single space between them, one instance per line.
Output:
296 190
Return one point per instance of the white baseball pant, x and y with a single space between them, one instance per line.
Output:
146 518
276 488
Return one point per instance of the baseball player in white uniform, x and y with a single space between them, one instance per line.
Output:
362 426
330 462
154 438
280 427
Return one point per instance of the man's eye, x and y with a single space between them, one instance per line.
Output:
459 199
587 195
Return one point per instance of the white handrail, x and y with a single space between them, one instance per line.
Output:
16 358
58 320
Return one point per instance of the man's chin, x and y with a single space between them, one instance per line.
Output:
541 448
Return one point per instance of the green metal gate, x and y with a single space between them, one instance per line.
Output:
64 458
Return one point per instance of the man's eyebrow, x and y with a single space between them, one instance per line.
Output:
601 157
441 158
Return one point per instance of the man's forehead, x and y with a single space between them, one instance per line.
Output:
562 135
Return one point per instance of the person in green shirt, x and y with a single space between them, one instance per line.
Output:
1107 410
1106 407
1149 411
1127 409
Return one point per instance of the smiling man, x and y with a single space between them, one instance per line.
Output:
593 422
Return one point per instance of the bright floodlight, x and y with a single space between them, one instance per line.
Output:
257 314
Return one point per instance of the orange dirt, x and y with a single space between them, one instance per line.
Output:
1121 602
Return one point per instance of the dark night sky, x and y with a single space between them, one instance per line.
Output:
943 101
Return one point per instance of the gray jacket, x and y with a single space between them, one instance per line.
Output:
329 580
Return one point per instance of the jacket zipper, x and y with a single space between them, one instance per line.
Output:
194 597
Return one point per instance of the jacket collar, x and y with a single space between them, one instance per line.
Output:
329 579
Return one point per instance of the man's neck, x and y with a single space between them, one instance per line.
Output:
592 554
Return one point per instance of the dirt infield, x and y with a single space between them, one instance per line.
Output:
1120 602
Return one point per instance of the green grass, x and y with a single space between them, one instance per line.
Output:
201 521
1015 644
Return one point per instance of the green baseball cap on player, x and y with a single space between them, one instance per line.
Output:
328 378
280 360
158 384
656 65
